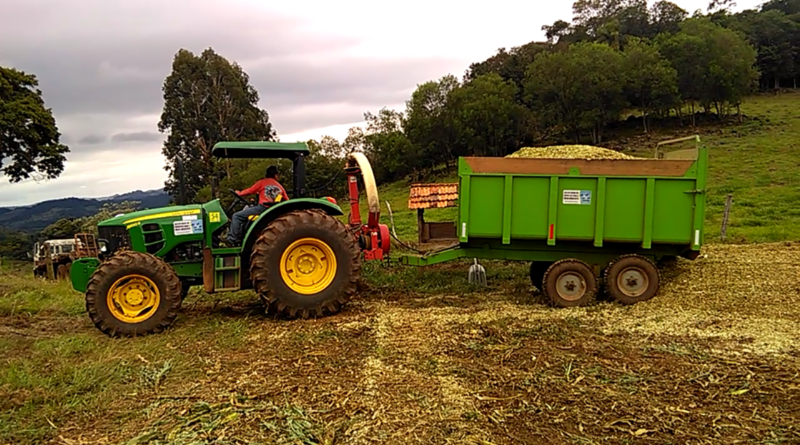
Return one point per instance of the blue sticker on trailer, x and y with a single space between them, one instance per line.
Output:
586 196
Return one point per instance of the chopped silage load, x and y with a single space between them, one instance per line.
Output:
569 152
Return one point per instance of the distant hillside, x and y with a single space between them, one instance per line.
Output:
38 216
137 195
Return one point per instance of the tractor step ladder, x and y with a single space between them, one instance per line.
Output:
227 273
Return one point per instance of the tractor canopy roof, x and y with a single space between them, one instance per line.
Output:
260 150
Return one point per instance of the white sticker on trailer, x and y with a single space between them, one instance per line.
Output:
463 230
580 197
697 237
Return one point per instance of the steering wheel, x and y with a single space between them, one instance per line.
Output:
238 198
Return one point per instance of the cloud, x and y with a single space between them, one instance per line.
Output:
117 59
139 136
92 139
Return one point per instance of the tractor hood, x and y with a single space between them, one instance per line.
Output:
144 215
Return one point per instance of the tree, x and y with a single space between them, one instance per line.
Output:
15 245
776 38
487 117
578 89
62 229
88 224
29 136
428 124
556 31
629 17
666 17
715 65
788 7
389 150
651 83
207 99
511 65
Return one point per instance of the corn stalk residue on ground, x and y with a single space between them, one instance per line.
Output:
712 359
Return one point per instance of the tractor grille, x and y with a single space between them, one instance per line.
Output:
117 237
153 237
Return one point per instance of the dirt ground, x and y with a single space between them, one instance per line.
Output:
713 358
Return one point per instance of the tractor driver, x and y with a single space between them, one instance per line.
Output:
269 191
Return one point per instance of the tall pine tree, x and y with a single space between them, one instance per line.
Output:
207 99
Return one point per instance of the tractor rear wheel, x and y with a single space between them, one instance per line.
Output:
570 283
632 278
305 264
133 293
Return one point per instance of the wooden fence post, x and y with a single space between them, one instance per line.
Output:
724 231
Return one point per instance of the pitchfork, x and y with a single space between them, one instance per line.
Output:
477 274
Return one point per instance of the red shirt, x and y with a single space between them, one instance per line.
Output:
269 190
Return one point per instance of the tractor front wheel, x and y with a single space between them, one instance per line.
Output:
306 264
133 293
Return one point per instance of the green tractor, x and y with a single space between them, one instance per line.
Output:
296 255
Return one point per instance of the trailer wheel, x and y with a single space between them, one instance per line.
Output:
631 279
537 271
305 264
570 283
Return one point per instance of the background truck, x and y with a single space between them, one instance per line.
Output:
54 252
580 222
60 253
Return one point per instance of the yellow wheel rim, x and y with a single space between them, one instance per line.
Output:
308 266
133 298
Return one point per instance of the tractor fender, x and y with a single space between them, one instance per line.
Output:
279 209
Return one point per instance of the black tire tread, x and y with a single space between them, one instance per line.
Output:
607 284
260 273
591 293
126 259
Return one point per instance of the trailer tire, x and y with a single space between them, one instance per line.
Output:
629 290
561 279
310 287
537 271
149 279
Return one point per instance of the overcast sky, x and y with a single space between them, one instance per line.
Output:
318 66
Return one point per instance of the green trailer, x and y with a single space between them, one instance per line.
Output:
582 223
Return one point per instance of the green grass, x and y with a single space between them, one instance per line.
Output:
759 163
